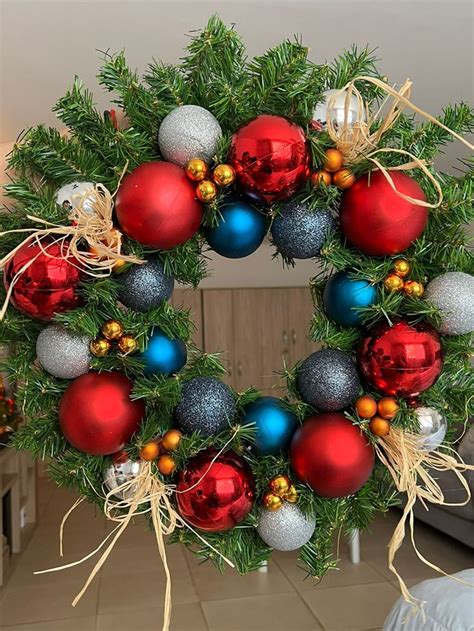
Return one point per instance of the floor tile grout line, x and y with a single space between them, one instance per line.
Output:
188 565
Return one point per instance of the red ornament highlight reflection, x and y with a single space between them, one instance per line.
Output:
270 157
331 455
401 360
222 498
47 286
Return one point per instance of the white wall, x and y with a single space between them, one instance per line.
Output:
46 42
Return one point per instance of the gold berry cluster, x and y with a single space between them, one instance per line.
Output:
113 333
280 489
159 449
333 171
379 413
206 190
396 280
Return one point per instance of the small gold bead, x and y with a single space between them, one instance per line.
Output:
344 178
393 282
292 495
280 485
413 288
127 344
223 175
196 169
206 191
100 347
272 502
401 267
112 329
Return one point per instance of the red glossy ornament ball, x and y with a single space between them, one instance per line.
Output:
332 455
270 157
97 415
376 220
223 495
401 360
49 284
156 205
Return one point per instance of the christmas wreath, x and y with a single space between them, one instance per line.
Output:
214 153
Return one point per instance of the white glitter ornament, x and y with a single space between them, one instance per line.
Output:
119 473
62 353
189 131
69 194
286 528
433 428
453 294
337 111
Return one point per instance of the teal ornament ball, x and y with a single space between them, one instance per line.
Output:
275 425
239 232
343 296
164 355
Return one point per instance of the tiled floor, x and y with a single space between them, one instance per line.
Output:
128 592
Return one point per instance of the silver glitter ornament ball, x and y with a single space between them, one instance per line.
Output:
337 112
298 232
118 474
286 528
453 294
145 286
62 353
207 405
433 428
189 131
328 380
68 195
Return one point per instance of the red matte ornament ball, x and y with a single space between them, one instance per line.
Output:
401 360
49 285
156 205
270 157
97 415
223 495
331 455
376 220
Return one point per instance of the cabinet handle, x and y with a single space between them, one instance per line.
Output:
285 338
239 369
293 336
229 370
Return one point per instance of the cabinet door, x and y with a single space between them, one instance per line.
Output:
218 318
300 312
191 299
274 337
248 345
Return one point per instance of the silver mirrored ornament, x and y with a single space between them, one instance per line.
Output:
207 406
299 232
286 528
189 131
433 428
453 294
146 286
337 113
119 473
328 380
62 353
69 194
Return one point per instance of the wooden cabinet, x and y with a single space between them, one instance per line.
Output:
192 300
259 331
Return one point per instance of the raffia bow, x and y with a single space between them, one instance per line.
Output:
91 225
143 494
357 142
409 465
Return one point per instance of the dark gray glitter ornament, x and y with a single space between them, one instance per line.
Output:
207 405
145 286
299 232
328 380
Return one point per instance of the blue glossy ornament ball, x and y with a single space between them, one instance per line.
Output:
164 355
275 425
240 230
343 294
